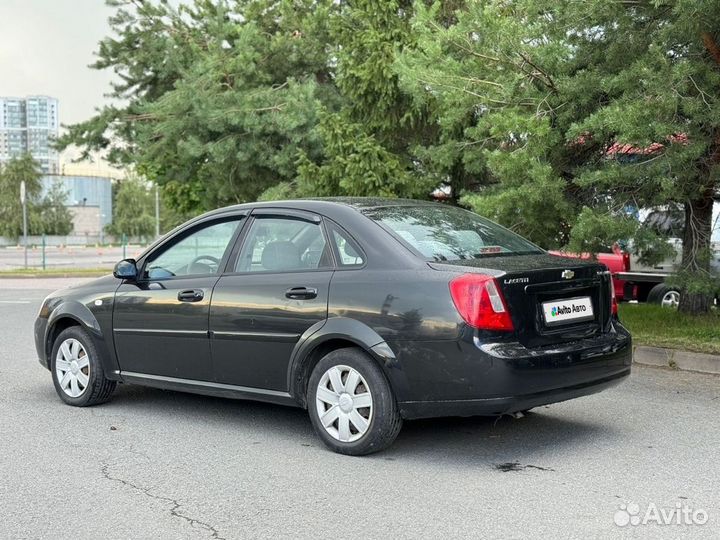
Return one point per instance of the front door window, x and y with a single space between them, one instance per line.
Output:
198 253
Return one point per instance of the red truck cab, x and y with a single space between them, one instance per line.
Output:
616 261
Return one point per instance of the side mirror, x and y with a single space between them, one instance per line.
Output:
126 269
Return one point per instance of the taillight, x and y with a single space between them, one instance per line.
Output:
613 298
480 302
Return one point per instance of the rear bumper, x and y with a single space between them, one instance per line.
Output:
506 405
480 378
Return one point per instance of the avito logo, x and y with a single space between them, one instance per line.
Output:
567 310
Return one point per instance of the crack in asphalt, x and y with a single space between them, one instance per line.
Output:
174 510
512 466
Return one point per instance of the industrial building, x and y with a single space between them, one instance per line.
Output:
88 196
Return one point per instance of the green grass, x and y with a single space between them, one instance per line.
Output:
663 327
55 272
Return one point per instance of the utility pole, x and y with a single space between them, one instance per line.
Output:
157 212
23 201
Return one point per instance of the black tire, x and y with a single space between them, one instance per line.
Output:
99 389
657 293
385 420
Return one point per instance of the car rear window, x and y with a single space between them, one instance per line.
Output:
447 233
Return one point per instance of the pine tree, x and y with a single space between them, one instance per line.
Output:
564 113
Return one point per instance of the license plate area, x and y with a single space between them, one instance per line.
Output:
567 311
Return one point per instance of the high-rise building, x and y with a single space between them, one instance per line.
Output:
29 125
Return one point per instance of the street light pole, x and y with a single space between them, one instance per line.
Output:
157 212
23 201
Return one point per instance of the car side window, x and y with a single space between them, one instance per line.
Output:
198 253
348 253
275 244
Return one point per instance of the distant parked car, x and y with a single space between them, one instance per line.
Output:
364 311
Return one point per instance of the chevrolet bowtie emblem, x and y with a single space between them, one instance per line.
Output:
567 274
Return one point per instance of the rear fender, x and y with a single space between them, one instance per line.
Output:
352 331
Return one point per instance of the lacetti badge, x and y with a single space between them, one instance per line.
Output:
567 274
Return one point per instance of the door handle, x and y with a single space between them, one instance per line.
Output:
191 295
301 293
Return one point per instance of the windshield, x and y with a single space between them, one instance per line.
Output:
447 233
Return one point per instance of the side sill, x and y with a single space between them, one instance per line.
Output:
208 388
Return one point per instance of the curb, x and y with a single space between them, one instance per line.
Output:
676 359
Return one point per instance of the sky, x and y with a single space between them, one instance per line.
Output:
45 48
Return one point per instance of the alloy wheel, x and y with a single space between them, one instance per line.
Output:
344 403
72 367
671 299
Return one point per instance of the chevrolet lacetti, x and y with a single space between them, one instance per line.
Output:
363 311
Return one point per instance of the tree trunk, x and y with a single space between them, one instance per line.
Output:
696 249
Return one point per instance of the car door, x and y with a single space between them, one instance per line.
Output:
160 321
274 290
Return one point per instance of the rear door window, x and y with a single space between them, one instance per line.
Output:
275 244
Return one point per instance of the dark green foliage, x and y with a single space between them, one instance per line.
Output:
541 96
46 214
222 96
133 209
12 174
356 164
52 216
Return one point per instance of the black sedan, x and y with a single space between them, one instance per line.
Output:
364 311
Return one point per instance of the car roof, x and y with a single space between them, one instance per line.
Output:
373 202
317 203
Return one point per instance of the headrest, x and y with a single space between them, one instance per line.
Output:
280 255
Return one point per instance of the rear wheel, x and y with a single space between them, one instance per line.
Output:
664 295
77 371
351 404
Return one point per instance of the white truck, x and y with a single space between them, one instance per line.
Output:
647 283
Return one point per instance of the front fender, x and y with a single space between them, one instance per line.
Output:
81 314
350 330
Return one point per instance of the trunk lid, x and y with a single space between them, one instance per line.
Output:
534 284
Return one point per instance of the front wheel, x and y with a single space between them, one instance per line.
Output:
77 371
351 404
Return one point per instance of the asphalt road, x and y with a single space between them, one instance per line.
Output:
157 464
65 257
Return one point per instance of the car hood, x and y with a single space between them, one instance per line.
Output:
107 282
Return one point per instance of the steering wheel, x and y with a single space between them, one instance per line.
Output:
210 258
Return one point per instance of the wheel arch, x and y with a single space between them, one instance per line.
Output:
62 323
333 334
72 313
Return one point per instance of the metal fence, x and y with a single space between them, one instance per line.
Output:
66 252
